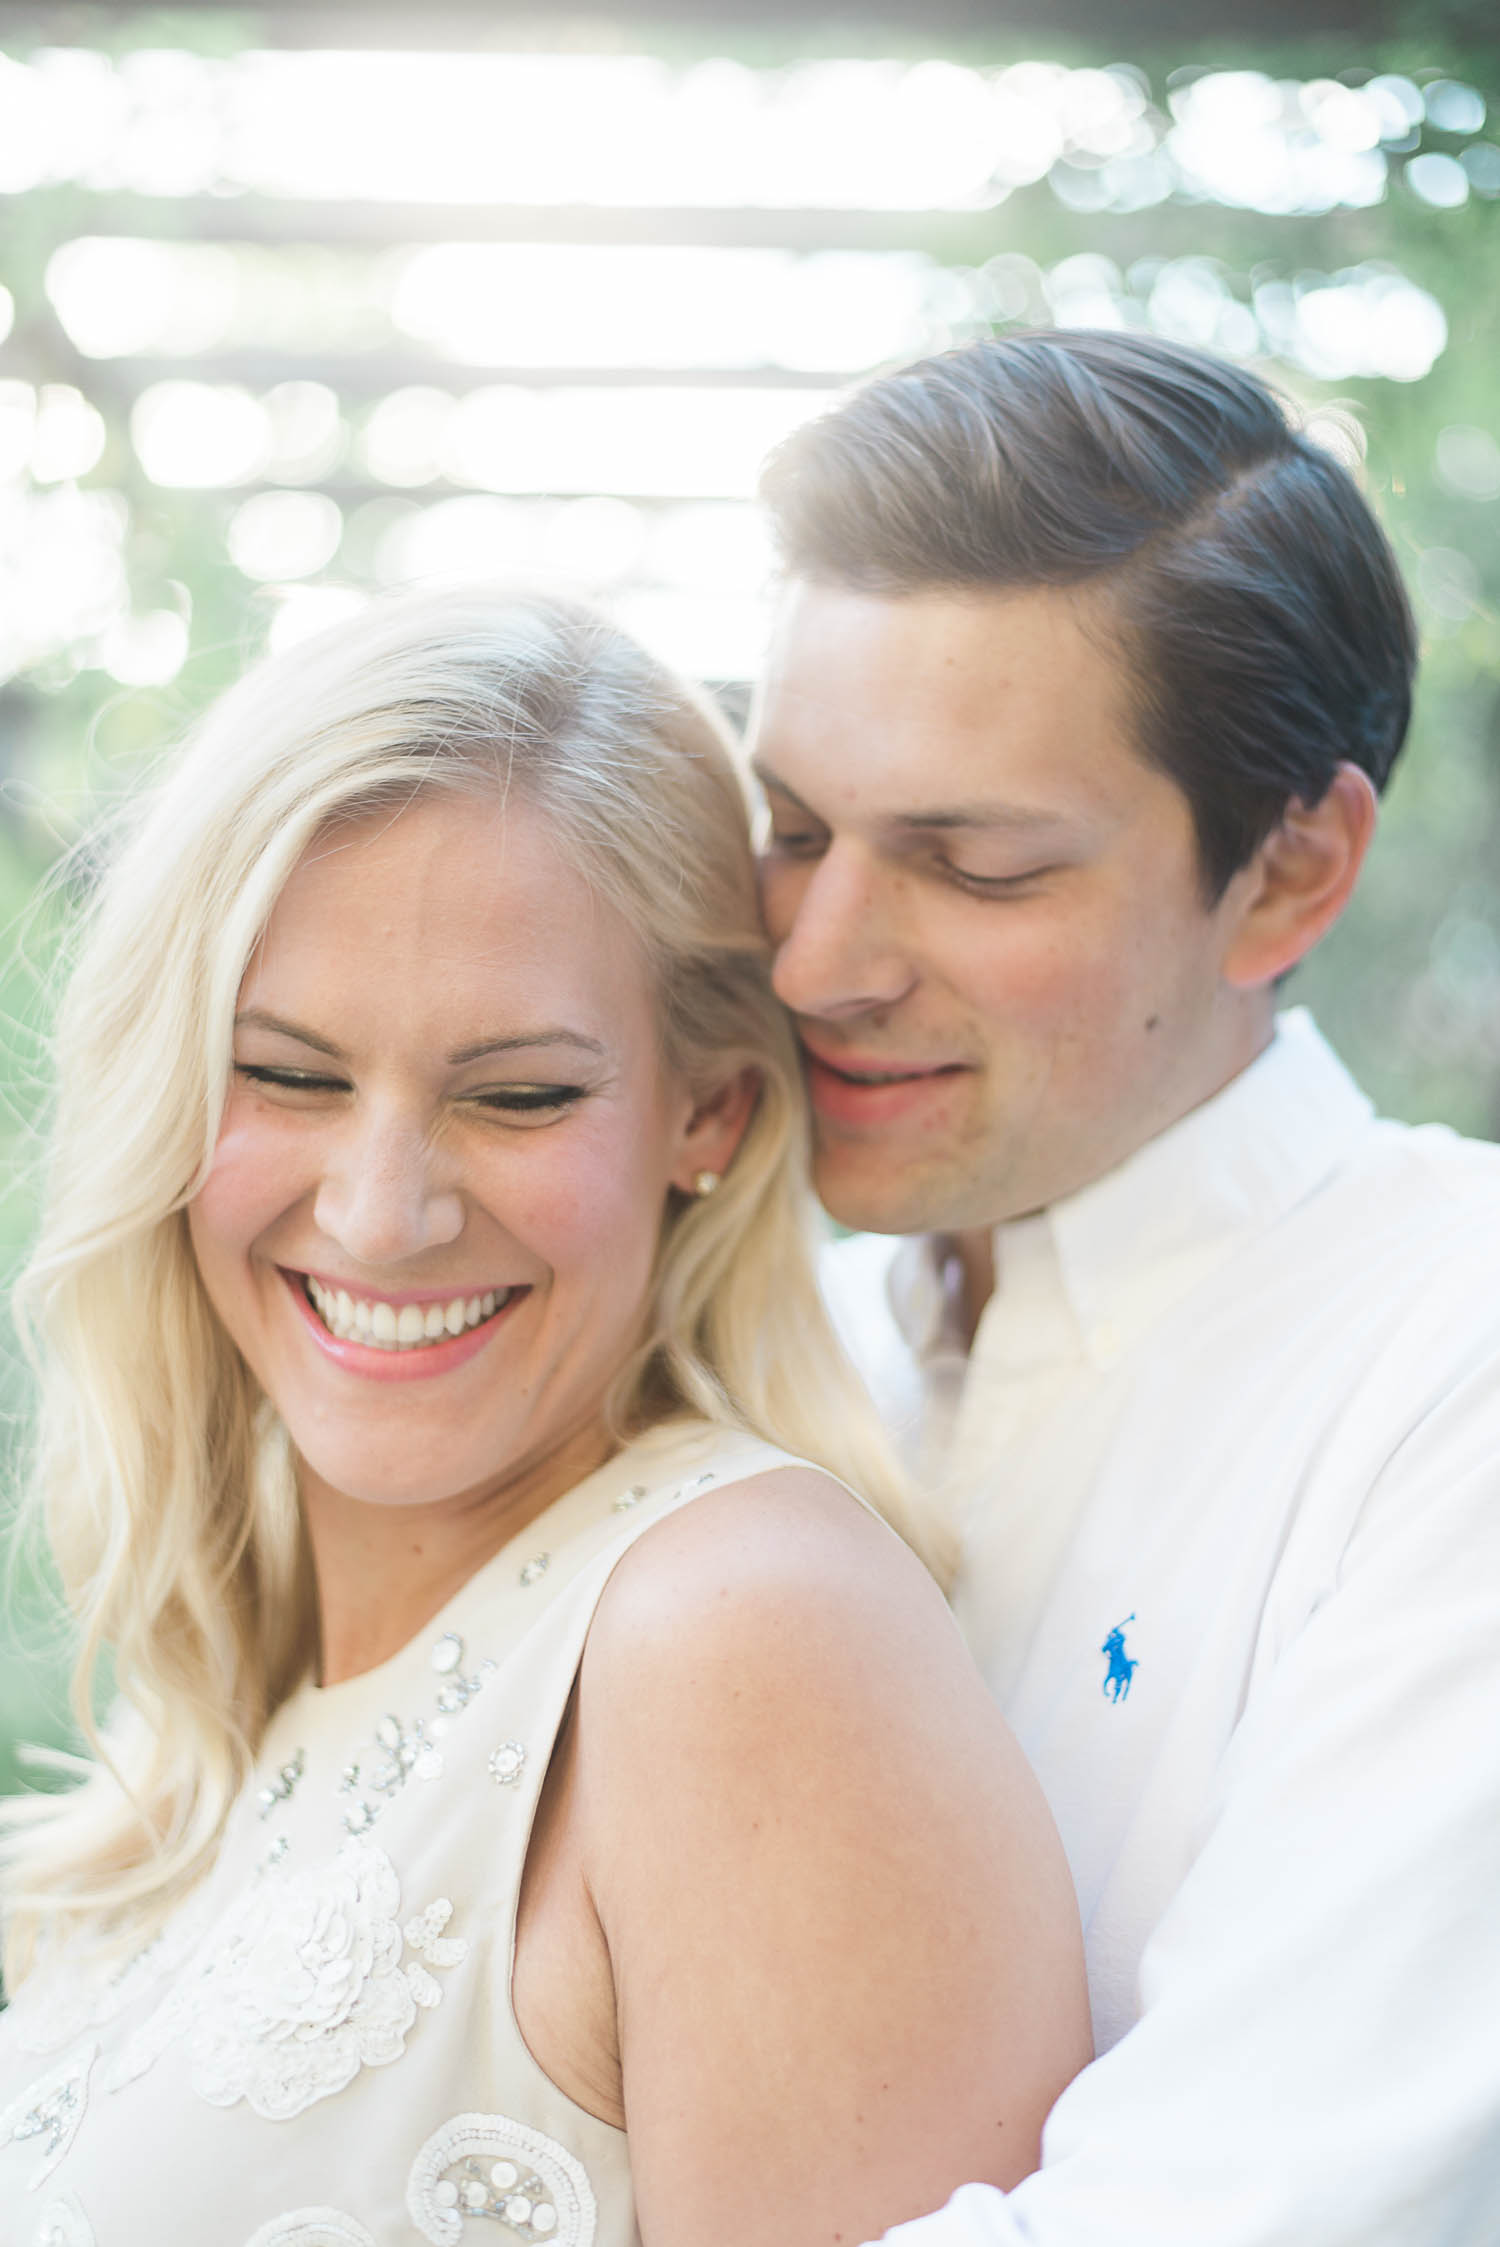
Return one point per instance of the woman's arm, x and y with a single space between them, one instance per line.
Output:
842 1939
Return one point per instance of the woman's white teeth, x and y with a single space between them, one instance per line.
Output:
412 1327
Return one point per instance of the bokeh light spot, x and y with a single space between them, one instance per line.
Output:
144 651
69 437
280 534
198 435
1438 180
1468 461
1454 107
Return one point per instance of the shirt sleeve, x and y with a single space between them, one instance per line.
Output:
1317 2061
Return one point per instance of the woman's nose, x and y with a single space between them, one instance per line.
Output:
387 1194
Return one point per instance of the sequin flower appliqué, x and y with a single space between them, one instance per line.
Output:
301 1985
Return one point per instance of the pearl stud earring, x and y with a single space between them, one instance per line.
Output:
705 1183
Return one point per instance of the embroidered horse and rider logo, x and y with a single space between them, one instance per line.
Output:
1122 1666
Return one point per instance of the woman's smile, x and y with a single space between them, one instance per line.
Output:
411 1337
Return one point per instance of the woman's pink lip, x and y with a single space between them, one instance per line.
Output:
838 1099
397 1365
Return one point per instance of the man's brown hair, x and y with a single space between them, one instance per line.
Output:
1253 593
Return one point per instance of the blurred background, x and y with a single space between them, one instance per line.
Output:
301 302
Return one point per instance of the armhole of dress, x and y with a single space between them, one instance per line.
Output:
751 1457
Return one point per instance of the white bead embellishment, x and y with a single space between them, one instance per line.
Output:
301 1985
630 1497
507 1763
425 1936
64 2224
686 1489
535 1569
486 2165
47 2113
283 1786
311 2227
410 1751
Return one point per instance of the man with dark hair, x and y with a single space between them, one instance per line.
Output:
1087 673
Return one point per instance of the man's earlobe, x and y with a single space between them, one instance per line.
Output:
1305 872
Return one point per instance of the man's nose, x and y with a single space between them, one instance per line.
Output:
841 950
388 1192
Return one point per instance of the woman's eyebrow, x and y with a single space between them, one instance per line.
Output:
258 1018
523 1038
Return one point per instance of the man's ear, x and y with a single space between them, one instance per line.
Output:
1300 879
715 1129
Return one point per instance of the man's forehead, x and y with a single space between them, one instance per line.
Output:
1006 702
943 708
954 649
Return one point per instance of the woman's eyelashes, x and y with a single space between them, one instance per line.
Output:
528 1099
282 1079
539 1101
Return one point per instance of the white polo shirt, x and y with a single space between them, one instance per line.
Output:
1227 1450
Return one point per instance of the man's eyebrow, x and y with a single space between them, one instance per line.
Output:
941 818
769 779
977 817
257 1018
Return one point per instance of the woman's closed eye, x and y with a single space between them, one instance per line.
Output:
285 1079
539 1100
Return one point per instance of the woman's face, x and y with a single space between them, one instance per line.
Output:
435 1201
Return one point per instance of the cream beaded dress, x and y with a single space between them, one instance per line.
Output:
319 2050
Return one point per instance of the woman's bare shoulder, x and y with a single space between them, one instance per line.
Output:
775 1635
762 1580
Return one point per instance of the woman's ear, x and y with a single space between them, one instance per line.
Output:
1300 879
714 1131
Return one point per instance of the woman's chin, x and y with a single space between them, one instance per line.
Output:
353 1474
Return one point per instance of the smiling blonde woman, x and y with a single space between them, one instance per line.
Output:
519 1731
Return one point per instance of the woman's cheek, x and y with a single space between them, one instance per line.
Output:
251 1180
595 1203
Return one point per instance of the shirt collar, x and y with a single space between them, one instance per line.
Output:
1130 1244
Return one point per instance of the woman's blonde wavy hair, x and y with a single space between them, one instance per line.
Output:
165 1485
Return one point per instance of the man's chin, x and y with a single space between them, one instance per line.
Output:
868 1197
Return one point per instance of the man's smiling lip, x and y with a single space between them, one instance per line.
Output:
860 1092
875 1070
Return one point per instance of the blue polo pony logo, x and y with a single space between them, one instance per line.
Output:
1122 1666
